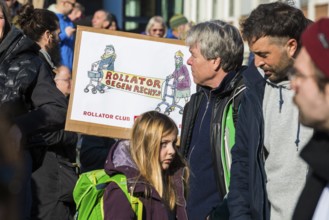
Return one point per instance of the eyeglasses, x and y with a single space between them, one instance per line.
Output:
71 3
320 78
155 30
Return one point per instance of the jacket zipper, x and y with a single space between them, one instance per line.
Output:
204 114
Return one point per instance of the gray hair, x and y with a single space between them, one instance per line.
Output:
154 20
218 39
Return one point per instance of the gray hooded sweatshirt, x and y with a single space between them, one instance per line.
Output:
284 138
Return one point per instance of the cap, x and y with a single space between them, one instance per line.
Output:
177 20
315 39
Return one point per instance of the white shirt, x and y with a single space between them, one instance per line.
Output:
322 208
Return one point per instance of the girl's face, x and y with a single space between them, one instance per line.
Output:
167 150
2 25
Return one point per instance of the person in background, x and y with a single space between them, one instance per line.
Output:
114 24
13 6
77 13
178 27
216 49
63 79
62 9
54 178
29 99
156 27
154 169
267 174
310 81
101 19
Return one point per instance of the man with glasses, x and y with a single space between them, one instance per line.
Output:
62 9
63 80
310 81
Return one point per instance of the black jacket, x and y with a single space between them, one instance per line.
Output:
316 154
28 94
231 89
247 198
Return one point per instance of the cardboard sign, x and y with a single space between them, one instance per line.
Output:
117 76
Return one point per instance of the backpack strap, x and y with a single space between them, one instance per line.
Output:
136 204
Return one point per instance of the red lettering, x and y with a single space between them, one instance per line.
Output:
115 76
157 83
108 75
149 82
142 80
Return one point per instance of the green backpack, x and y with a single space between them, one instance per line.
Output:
88 195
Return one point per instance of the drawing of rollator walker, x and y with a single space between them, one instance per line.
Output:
177 86
95 75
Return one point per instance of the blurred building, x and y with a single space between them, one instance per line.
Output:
133 15
233 10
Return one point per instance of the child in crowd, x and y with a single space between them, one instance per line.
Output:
155 171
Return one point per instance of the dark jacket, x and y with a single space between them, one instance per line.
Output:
29 98
60 142
116 204
55 172
247 171
316 154
232 88
28 93
94 151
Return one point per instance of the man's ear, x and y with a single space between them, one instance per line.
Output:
292 46
217 63
47 35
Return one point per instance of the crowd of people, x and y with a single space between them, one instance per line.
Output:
254 140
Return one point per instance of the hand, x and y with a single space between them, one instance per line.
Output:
69 31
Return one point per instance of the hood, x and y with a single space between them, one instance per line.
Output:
120 161
281 90
15 43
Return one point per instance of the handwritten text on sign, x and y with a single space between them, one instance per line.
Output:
141 85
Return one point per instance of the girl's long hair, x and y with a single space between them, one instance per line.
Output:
146 136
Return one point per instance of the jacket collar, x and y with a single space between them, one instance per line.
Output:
228 84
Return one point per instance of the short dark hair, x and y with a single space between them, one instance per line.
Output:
35 22
276 19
